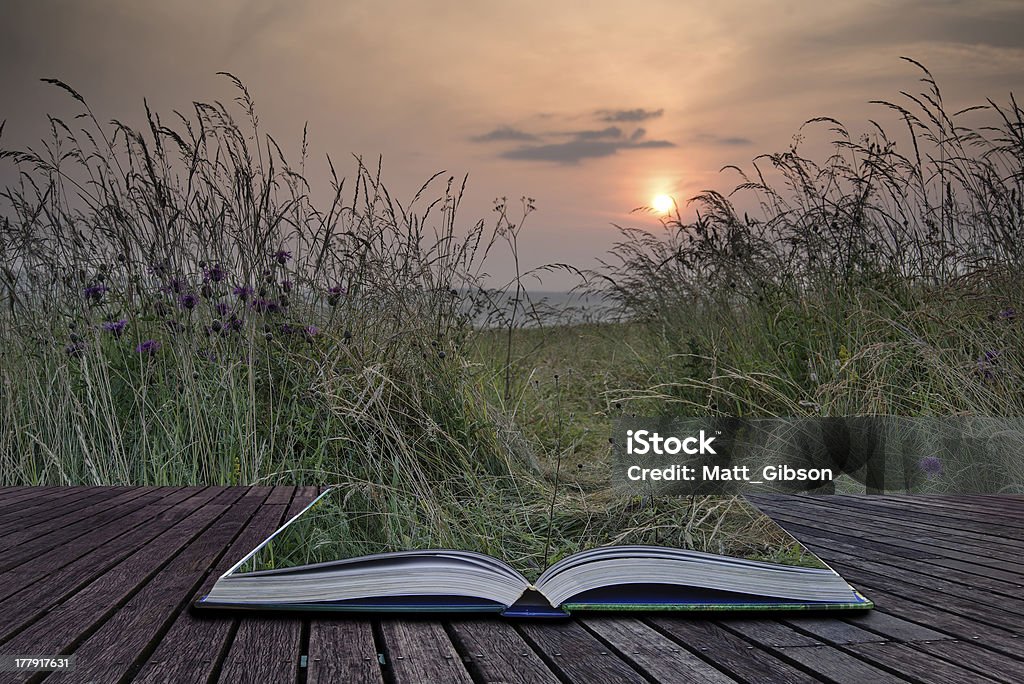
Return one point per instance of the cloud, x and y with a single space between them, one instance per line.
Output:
628 115
722 140
610 132
575 151
504 133
583 144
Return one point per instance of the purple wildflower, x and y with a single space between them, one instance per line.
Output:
188 301
265 305
311 331
215 274
1007 314
176 286
149 347
286 285
337 290
95 292
931 466
282 256
242 292
223 309
75 349
987 363
115 328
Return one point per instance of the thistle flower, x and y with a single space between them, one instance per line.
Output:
149 347
243 292
334 293
95 292
223 309
188 301
281 256
115 328
286 285
176 286
987 363
265 305
75 349
311 331
214 274
1007 314
931 466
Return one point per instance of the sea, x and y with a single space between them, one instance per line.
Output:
542 308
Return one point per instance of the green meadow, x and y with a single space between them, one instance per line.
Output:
176 309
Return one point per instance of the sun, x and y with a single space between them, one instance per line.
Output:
662 204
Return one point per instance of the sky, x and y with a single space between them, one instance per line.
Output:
592 108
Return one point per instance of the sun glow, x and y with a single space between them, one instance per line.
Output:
662 204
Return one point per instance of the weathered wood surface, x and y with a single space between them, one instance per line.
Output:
108 574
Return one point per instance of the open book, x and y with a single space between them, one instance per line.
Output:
288 572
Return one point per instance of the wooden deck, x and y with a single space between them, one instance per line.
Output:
107 574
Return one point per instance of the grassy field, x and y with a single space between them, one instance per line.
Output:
177 310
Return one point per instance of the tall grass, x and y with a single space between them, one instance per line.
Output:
176 309
885 279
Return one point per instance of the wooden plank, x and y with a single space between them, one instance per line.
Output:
37 594
195 645
34 502
113 650
865 518
990 564
832 665
576 654
973 656
729 652
59 630
768 631
652 653
31 540
960 627
50 558
915 665
894 628
967 607
835 631
902 516
977 508
980 588
265 649
343 651
969 546
420 652
950 510
495 652
83 504
17 498
916 571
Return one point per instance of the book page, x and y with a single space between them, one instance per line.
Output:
346 523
